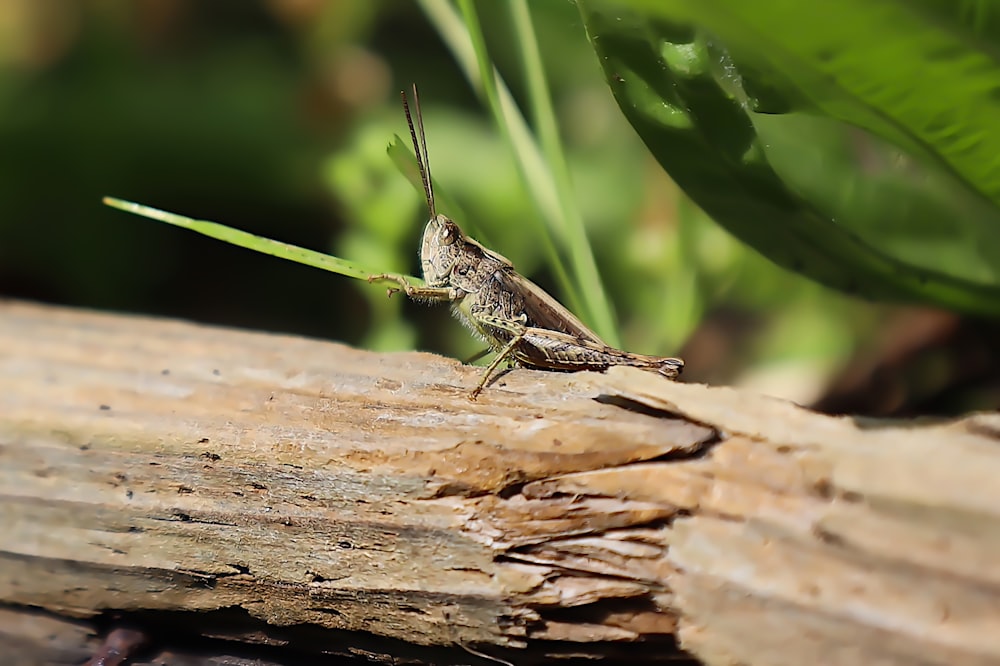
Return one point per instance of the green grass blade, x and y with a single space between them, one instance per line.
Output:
299 255
581 252
466 43
512 125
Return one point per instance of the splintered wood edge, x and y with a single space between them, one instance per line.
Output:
804 535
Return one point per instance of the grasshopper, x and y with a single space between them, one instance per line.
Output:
519 320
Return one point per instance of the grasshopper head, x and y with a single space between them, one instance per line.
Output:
440 247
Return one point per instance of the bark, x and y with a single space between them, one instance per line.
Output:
304 497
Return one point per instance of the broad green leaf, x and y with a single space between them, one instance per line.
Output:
811 193
923 74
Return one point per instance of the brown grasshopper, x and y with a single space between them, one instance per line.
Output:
515 316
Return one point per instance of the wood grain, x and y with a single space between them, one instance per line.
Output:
247 486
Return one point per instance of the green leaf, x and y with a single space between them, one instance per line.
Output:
916 73
790 185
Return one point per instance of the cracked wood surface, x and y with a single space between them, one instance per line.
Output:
250 486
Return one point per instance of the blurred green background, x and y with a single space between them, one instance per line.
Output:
274 117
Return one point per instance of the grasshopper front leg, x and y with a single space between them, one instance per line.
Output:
504 327
449 294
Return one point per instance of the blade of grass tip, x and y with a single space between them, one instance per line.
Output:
299 255
528 158
581 252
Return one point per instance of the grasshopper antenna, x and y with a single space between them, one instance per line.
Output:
419 139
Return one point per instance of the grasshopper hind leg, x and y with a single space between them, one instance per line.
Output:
506 353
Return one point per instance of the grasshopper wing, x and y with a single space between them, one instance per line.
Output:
542 310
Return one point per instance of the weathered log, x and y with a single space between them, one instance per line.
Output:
274 490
